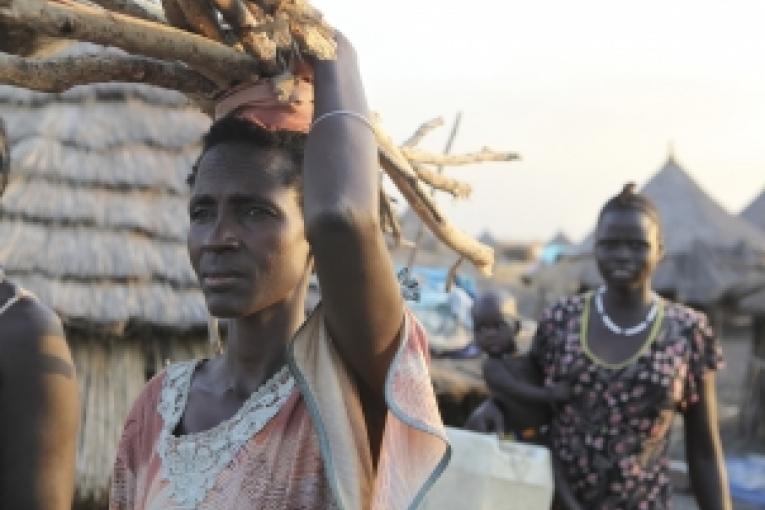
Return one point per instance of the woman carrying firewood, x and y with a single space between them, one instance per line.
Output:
333 411
38 397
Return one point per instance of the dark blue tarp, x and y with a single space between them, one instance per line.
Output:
747 478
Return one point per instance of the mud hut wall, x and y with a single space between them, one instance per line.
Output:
111 374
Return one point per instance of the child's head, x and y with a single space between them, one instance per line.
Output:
494 323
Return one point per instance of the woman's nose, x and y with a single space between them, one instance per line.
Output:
222 236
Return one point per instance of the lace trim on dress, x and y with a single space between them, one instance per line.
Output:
191 463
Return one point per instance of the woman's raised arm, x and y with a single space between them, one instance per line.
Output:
361 298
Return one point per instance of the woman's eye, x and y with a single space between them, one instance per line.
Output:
608 245
199 213
258 211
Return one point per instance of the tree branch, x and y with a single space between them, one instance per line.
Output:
441 182
389 151
423 130
216 61
62 73
135 8
200 16
420 156
388 218
243 23
400 172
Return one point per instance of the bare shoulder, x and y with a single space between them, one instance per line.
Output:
32 336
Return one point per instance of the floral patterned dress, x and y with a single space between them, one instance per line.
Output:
611 439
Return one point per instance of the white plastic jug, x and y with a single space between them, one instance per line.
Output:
488 474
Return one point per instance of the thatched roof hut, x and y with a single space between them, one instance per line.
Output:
755 212
94 222
710 253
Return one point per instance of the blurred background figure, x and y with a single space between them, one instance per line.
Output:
38 396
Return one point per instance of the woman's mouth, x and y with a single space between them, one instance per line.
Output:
220 280
621 273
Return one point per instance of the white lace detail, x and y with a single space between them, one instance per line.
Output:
191 463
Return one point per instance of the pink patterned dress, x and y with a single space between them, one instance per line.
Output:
298 443
611 438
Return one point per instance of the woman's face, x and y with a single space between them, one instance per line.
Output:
628 248
246 242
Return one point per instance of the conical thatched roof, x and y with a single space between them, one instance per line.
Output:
709 251
755 212
94 218
690 216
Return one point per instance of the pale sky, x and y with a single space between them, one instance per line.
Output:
589 92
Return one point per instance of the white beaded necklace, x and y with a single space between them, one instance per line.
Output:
618 330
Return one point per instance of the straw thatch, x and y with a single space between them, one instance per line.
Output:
711 255
94 222
755 212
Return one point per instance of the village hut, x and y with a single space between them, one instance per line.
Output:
94 222
710 254
753 412
754 213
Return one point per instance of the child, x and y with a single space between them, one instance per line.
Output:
524 408
519 405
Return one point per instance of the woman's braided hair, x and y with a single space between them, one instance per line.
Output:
5 158
631 200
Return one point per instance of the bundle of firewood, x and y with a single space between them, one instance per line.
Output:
202 48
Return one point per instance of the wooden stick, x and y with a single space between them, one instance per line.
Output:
420 156
58 74
388 150
200 16
135 8
441 182
451 276
400 172
423 130
216 61
481 256
421 226
175 15
243 23
388 217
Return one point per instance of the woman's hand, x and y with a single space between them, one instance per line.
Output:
487 418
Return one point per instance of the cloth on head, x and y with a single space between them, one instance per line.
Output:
276 104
